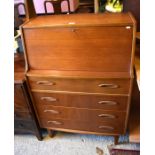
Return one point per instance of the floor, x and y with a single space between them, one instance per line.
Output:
68 144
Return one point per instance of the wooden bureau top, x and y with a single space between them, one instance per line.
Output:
72 20
80 43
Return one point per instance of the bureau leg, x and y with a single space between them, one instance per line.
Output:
50 133
116 140
39 135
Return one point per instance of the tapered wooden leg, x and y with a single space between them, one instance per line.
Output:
39 135
50 133
116 140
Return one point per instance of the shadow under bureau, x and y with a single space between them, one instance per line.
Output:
80 71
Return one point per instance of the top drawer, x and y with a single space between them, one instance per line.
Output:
106 86
95 48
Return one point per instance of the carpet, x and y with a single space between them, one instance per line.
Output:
68 144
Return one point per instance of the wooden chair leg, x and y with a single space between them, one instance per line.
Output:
116 140
50 133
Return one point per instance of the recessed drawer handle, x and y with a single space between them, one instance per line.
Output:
48 83
107 116
106 127
54 122
50 99
104 85
52 111
107 102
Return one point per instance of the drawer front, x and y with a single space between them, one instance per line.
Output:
83 47
22 115
20 108
98 127
53 112
19 99
108 102
23 125
106 86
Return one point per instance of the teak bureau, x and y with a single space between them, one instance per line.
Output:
80 71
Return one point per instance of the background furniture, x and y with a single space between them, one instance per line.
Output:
39 6
86 6
96 6
25 119
132 6
17 19
134 120
56 6
18 48
80 71
134 123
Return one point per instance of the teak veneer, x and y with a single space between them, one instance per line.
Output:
80 71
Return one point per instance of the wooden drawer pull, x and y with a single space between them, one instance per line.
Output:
48 83
104 85
107 116
50 99
52 111
107 102
54 122
106 127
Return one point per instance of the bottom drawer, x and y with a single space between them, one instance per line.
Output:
96 127
23 125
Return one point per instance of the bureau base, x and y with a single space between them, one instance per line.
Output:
52 133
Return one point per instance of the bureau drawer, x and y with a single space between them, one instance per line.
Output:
106 102
96 127
19 99
106 86
20 108
22 115
53 112
23 125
